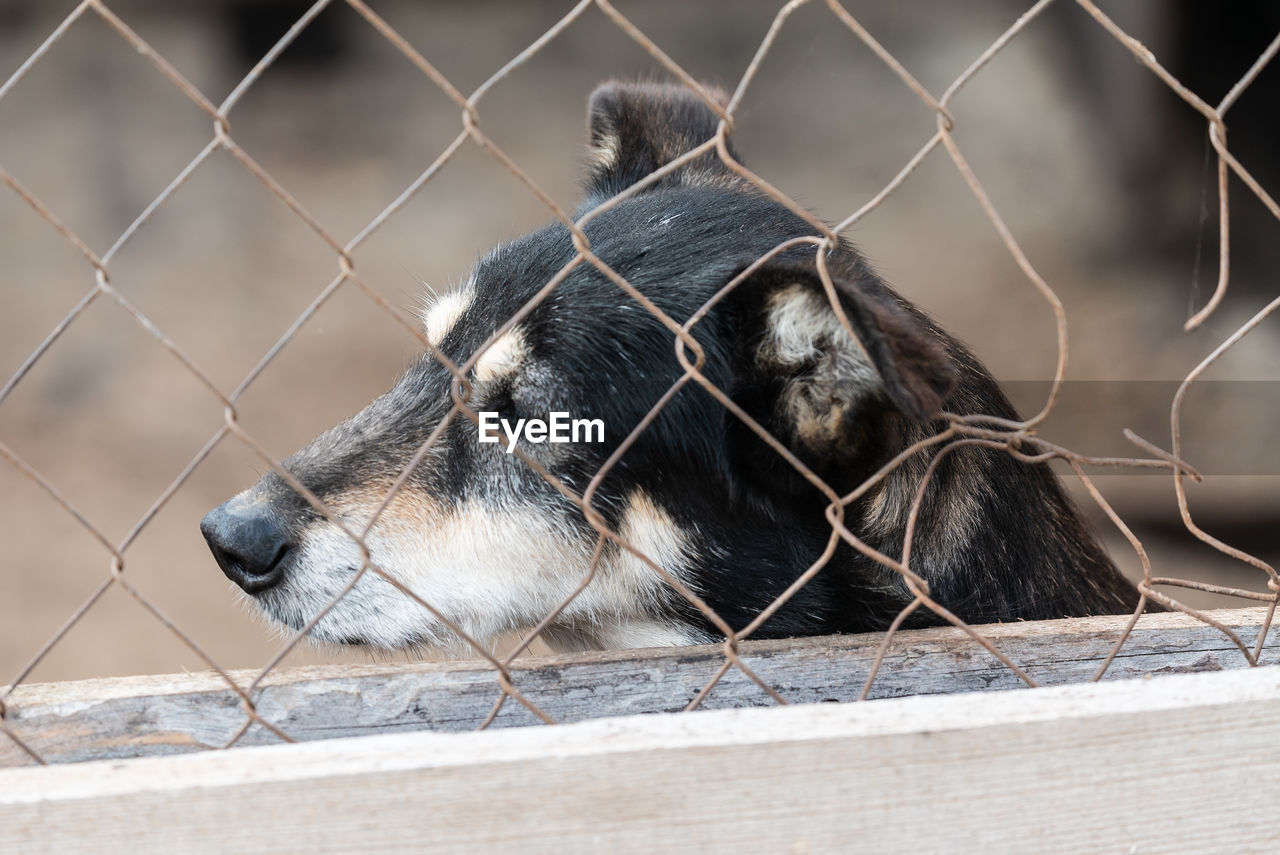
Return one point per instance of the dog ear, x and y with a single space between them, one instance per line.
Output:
823 385
635 128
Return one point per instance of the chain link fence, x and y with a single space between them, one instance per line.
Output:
1019 439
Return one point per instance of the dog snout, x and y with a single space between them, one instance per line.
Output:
249 544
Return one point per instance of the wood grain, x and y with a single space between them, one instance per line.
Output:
1176 764
146 716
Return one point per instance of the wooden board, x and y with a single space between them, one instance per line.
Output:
144 716
1176 764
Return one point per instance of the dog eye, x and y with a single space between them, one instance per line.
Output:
501 401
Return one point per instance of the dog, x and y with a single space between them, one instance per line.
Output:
476 532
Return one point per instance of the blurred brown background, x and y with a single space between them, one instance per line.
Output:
1101 173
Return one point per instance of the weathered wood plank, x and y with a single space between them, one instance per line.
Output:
1178 764
143 716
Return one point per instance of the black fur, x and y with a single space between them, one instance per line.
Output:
997 539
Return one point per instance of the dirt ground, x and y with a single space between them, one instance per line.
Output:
110 419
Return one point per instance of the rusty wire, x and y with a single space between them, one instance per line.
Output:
1013 437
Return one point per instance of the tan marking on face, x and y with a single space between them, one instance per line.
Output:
443 314
651 531
408 510
488 569
503 357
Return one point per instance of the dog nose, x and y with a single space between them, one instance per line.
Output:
249 545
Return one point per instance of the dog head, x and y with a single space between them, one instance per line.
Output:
480 535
